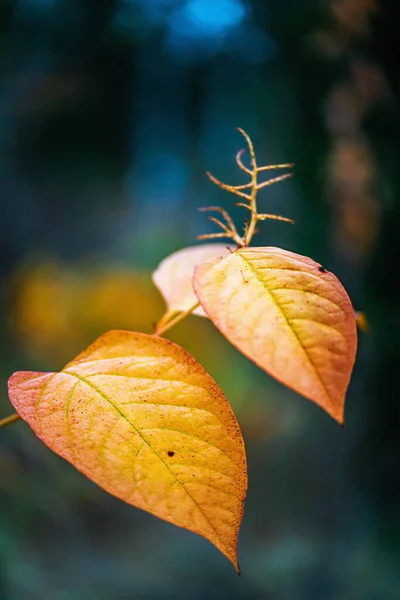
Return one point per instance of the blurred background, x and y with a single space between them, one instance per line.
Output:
110 114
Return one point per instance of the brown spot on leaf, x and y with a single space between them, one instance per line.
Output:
170 453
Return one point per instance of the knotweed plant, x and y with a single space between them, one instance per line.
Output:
141 417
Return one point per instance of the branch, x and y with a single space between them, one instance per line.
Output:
9 420
230 230
240 164
274 180
264 217
230 188
269 167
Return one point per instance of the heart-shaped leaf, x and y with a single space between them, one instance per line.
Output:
288 315
174 276
140 416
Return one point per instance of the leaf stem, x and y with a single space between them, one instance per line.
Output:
164 323
9 420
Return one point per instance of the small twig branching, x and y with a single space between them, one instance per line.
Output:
228 227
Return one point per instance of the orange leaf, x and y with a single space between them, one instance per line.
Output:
288 315
174 276
140 416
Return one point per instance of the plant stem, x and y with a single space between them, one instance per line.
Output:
168 316
229 230
253 205
163 326
9 420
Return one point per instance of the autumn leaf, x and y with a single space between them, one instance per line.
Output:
140 417
174 276
287 314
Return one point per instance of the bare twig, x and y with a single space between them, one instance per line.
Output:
229 188
164 323
264 217
270 167
212 236
274 180
228 229
9 420
240 164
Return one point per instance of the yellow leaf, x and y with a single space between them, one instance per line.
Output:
288 315
174 276
140 417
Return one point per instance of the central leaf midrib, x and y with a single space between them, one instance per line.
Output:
291 329
107 399
161 380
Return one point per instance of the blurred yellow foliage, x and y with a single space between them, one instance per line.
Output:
58 309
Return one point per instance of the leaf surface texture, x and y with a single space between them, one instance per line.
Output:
287 314
140 417
174 276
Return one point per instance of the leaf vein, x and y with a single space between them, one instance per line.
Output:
195 437
67 410
277 304
107 399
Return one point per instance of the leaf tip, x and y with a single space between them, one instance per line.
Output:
235 563
19 377
338 416
337 413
